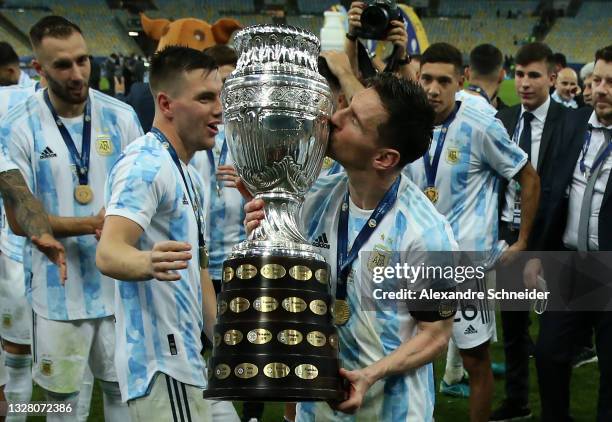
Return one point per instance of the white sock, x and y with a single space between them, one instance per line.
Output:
114 408
19 385
85 392
66 399
454 364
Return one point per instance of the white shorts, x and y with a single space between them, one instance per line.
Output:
475 320
170 400
3 373
15 311
62 349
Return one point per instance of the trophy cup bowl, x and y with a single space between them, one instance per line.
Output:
274 339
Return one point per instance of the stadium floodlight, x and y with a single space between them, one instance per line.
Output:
133 33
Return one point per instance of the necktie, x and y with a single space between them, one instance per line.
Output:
525 139
585 209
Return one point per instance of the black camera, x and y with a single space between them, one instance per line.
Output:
376 19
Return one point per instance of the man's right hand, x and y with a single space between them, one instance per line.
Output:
533 268
54 250
254 214
354 16
167 257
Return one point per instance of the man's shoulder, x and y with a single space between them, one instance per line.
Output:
508 113
108 102
478 119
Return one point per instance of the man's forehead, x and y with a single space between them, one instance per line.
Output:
63 48
366 104
439 69
602 68
568 75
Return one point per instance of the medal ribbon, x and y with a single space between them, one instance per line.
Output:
346 258
478 90
585 148
195 205
222 157
80 161
431 168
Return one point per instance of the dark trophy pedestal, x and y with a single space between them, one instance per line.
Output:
274 339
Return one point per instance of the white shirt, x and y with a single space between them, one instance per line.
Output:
146 187
578 187
411 227
476 101
476 153
571 103
35 145
537 128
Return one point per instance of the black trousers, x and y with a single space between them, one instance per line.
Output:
560 338
517 342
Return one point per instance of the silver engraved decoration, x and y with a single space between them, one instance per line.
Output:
276 110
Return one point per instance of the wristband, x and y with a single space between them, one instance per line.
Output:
351 37
404 61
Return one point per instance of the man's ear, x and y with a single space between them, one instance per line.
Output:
386 159
553 79
38 68
163 104
501 76
467 73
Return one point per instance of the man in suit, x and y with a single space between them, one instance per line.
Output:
533 124
577 215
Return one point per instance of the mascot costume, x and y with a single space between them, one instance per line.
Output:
190 32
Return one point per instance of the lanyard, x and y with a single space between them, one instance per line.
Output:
80 161
195 205
431 168
344 257
598 160
222 157
478 90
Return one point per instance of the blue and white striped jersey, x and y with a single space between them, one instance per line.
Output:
225 207
329 167
25 80
11 244
475 101
158 323
35 145
411 227
476 153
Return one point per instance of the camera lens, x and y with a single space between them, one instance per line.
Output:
374 19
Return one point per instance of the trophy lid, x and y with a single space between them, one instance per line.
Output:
259 45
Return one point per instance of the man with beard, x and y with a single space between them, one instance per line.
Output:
386 351
577 216
64 141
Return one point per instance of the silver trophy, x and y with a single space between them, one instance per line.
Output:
274 335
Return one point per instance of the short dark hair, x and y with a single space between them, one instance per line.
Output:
486 60
535 52
559 58
442 52
411 118
167 65
52 26
604 54
222 54
8 55
416 57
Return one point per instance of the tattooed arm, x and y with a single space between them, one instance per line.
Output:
27 217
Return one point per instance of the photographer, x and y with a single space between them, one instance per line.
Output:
395 34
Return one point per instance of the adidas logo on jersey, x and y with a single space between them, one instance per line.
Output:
47 153
185 201
470 330
321 242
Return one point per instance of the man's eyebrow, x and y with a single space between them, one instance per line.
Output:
206 95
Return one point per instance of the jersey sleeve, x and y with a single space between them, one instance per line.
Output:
502 155
16 148
135 187
134 129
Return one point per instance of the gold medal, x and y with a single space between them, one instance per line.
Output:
83 194
342 312
203 251
432 194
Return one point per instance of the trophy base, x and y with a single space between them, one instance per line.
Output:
278 394
274 339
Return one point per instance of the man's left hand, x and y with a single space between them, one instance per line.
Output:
511 253
359 385
54 250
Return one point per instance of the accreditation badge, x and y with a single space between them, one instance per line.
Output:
327 163
104 145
